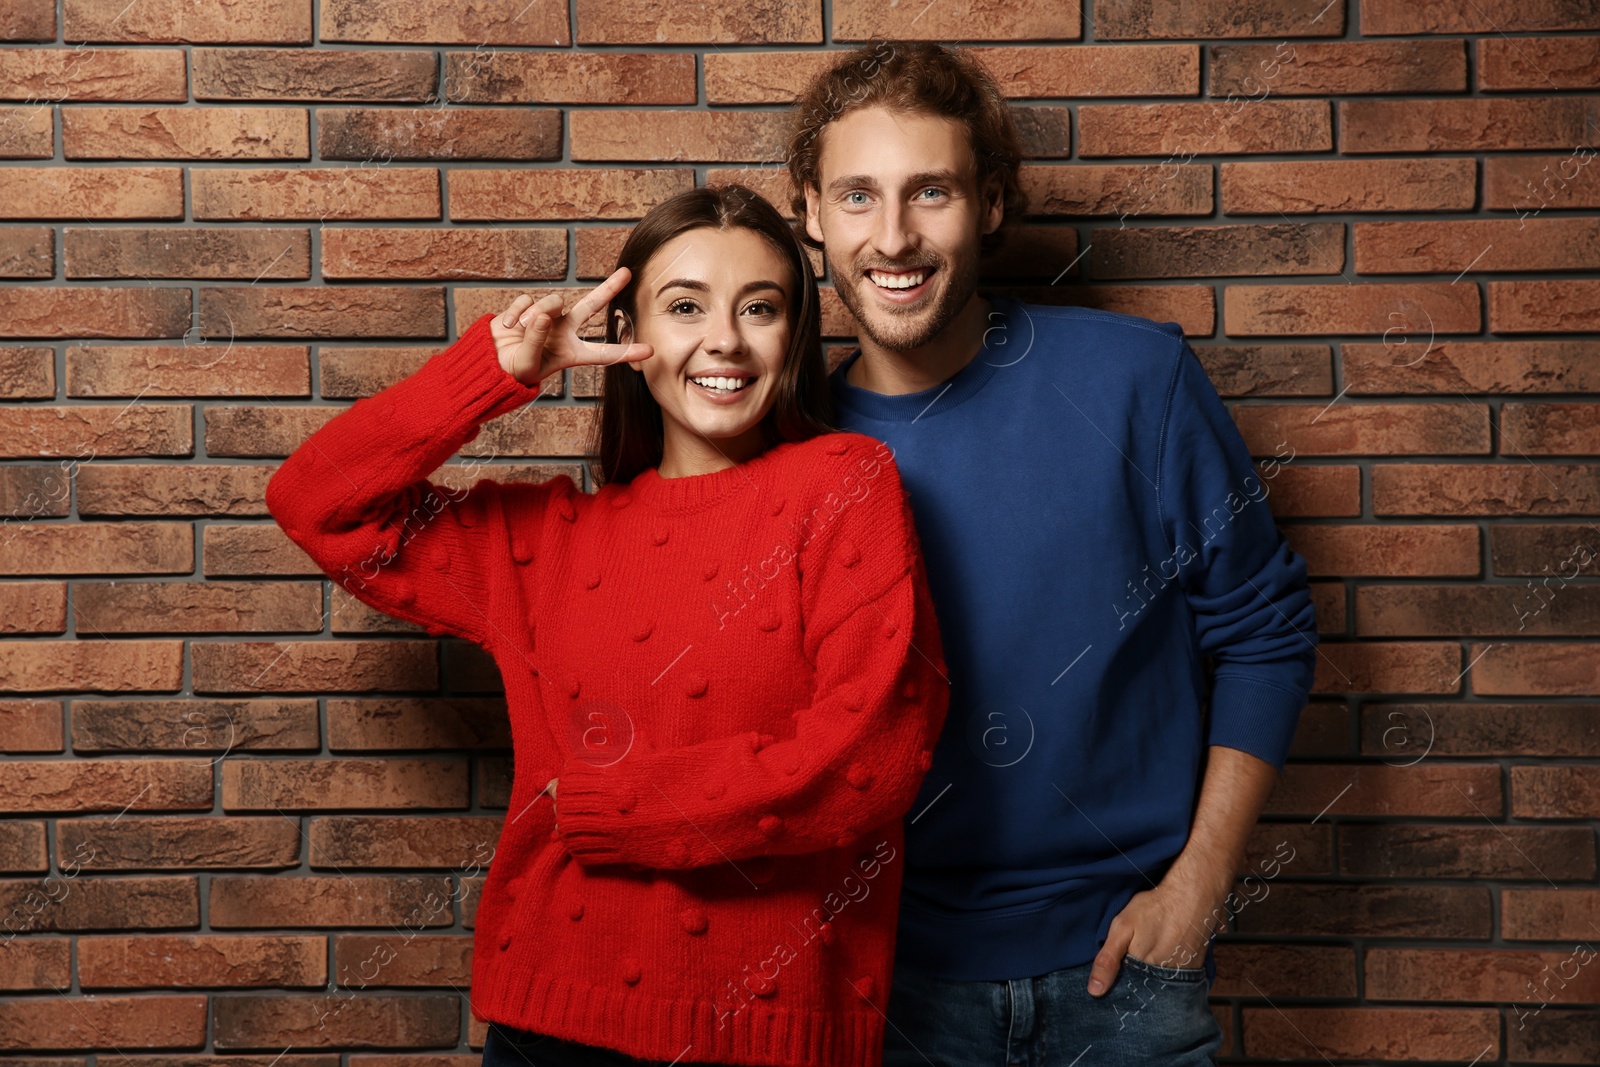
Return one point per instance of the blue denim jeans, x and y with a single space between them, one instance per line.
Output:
1152 1016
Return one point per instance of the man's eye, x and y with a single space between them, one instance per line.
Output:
934 189
847 197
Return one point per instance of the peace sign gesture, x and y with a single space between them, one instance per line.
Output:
536 338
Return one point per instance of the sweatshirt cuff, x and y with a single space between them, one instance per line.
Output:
1255 717
590 802
468 378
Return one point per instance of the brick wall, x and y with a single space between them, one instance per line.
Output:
247 814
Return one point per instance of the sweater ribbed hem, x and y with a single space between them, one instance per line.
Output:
507 988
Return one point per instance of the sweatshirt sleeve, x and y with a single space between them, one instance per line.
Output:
861 745
1245 586
356 498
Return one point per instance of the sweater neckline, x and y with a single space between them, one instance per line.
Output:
695 492
1002 341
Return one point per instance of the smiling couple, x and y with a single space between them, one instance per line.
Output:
931 550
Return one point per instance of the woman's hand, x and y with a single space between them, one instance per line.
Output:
536 338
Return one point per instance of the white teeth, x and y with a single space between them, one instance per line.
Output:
726 385
897 281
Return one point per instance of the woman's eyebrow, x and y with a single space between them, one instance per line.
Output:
700 286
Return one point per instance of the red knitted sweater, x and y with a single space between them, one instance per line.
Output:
737 678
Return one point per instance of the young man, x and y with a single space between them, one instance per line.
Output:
1094 529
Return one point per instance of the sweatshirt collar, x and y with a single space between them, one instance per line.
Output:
1005 335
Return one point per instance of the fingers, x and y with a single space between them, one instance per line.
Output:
518 312
600 295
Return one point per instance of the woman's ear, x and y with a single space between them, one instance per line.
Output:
624 330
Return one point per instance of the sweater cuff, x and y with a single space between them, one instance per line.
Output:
589 804
1255 717
469 374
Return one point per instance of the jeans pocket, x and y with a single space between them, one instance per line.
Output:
1168 974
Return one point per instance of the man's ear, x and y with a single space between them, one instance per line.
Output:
625 335
813 213
994 202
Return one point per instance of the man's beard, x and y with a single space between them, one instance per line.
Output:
905 329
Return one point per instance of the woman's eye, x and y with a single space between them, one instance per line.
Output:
676 304
768 307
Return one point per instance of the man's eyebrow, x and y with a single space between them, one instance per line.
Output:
701 287
944 175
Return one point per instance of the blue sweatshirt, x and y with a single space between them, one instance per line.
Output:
1094 530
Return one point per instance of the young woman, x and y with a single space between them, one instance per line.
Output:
723 669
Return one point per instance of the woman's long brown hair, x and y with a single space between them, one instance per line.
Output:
628 435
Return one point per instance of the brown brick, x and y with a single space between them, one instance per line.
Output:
27 252
349 841
444 255
1480 730
374 22
1466 851
22 21
858 20
1446 611
1472 367
104 785
1560 1036
187 132
191 725
1355 551
186 252
1329 600
103 904
711 136
259 74
22 848
190 489
1516 488
1298 187
1388 667
27 132
206 369
1218 18
301 666
1551 429
1345 910
101 193
1529 184
1123 190
276 194
1211 128
1210 251
34 491
1373 1033
1566 669
264 901
1192 307
1557 551
98 548
178 842
199 607
126 430
415 960
76 75
99 311
333 784
353 372
1475 245
1348 428
1544 306
27 373
1033 252
255 550
33 607
1538 63
113 1023
438 133
1085 70
342 1019
36 965
1479 16
413 723
1389 309
1476 974
1268 370
322 311
121 666
495 779
31 726
178 961
633 78
509 195
1338 68
175 21
1430 788
269 430
1307 491
1556 792
1465 125
1276 970
1535 914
